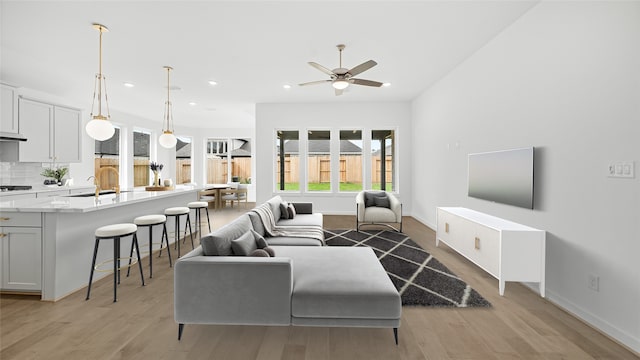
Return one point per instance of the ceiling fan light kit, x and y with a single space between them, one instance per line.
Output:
100 128
340 84
341 78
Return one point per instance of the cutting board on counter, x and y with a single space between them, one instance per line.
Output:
158 188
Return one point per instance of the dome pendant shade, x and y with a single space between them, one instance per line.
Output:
100 128
167 139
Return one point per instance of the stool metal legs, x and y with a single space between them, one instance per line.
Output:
198 212
177 232
162 239
116 263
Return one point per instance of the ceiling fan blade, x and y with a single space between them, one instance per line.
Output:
314 82
339 92
322 68
362 67
365 82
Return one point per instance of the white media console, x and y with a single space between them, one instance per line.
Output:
506 250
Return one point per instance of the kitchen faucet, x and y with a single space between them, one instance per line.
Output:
99 174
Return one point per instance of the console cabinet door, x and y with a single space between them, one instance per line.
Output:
9 109
66 138
21 254
36 124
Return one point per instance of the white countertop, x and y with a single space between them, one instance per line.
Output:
46 188
69 203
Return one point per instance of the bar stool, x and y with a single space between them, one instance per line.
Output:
115 232
150 221
177 212
198 206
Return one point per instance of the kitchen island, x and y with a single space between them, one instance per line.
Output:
47 243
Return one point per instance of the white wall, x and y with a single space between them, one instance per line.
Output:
564 78
333 116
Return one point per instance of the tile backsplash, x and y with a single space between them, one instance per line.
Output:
18 173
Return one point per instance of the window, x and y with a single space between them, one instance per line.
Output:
107 154
215 147
141 149
216 161
240 160
287 160
183 160
220 162
319 160
382 160
351 160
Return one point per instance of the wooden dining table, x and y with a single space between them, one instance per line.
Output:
215 189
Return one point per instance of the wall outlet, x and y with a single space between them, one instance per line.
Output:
593 282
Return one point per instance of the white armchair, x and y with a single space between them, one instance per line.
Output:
378 208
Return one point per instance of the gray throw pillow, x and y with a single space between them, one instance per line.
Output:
216 246
291 210
256 222
244 245
382 201
261 243
259 253
284 212
370 196
270 251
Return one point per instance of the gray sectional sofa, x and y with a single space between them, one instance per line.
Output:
304 284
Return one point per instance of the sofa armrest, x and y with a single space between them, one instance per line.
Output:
303 208
232 290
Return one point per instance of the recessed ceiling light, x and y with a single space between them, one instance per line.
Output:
213 82
193 103
386 84
128 84
286 86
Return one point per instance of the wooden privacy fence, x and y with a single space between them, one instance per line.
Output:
217 169
107 179
319 169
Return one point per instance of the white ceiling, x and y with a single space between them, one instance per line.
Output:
250 48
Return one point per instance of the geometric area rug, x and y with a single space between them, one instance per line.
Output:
420 279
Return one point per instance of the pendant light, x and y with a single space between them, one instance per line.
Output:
167 139
100 128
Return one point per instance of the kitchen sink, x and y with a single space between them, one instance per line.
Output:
94 194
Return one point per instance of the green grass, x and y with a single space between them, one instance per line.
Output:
322 186
376 186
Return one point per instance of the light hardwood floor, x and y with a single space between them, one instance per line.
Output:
520 325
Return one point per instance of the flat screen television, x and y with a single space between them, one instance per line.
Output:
503 176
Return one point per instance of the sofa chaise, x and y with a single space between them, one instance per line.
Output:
304 284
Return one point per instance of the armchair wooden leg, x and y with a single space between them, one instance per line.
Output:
395 335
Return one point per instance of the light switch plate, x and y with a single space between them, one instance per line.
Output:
621 169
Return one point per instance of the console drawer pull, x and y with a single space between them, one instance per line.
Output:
2 235
446 227
477 243
5 218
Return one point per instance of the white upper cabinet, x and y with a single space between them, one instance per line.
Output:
67 134
52 132
9 109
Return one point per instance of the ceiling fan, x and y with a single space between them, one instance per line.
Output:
341 78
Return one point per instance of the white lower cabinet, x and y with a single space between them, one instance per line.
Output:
21 252
506 250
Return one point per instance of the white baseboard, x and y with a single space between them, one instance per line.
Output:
616 334
425 222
